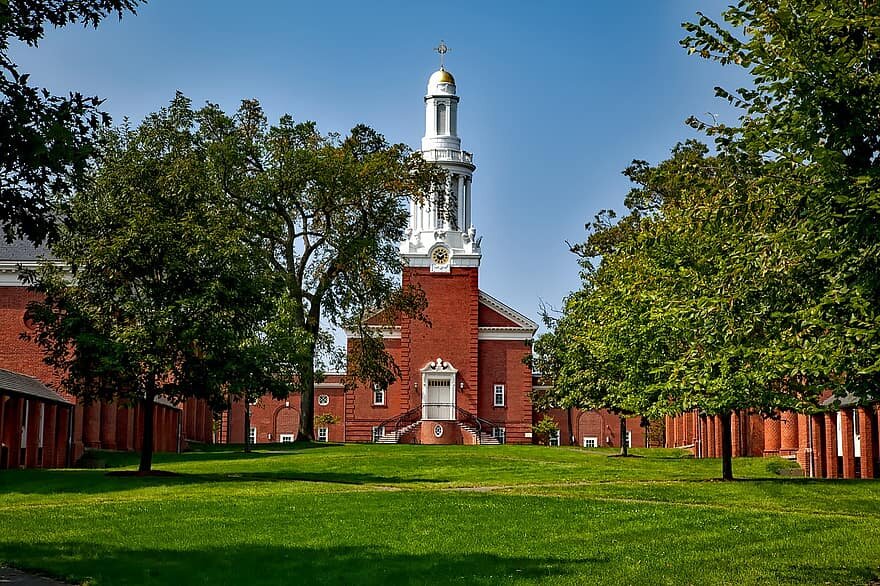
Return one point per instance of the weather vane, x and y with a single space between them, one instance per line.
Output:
442 49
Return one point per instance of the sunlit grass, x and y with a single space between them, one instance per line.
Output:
363 514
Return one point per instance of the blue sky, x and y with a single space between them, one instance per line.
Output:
556 97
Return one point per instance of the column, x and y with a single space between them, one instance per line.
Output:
831 460
804 455
869 450
108 425
849 447
34 427
123 428
772 436
735 435
92 425
460 204
62 434
12 430
50 428
819 452
710 437
756 435
789 433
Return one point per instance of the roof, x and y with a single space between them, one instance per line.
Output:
848 400
508 312
22 250
14 382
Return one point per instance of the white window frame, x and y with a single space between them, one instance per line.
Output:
629 439
378 395
591 442
378 431
553 439
499 391
285 438
500 433
253 436
323 400
323 434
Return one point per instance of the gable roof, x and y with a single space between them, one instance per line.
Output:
21 384
518 319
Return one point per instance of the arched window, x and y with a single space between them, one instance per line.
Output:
441 119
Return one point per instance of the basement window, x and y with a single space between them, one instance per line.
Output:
500 434
591 442
322 434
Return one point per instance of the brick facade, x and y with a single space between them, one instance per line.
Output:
838 443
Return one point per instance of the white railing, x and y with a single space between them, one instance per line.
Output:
448 155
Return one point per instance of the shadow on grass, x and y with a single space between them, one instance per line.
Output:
99 481
273 564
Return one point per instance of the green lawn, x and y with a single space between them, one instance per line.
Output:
364 514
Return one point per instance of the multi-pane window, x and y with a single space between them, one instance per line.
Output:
286 438
323 400
378 432
629 439
554 438
498 396
500 434
253 439
322 434
378 395
591 442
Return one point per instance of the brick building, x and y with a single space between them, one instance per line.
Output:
34 418
464 378
838 442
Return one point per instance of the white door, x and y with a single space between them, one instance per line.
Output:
439 400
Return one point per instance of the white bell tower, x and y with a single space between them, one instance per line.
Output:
441 232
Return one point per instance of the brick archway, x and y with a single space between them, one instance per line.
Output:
285 420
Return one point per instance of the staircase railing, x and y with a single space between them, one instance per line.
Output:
478 423
398 422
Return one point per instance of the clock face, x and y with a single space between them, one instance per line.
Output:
440 256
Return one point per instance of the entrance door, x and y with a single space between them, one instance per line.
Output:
439 399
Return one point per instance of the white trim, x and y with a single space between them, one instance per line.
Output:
329 386
501 333
591 439
508 312
377 389
460 260
495 389
285 438
325 432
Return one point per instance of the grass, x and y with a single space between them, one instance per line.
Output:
371 514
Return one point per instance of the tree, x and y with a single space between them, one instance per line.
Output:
46 143
544 429
162 296
327 212
812 121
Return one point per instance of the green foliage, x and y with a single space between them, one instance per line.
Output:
326 419
47 140
162 296
327 213
544 429
748 278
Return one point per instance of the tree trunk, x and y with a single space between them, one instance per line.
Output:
571 439
247 424
149 405
726 448
306 431
624 447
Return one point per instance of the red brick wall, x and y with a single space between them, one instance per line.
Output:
501 362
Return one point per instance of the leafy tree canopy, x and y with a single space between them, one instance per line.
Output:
46 141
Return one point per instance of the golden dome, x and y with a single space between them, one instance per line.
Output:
442 76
